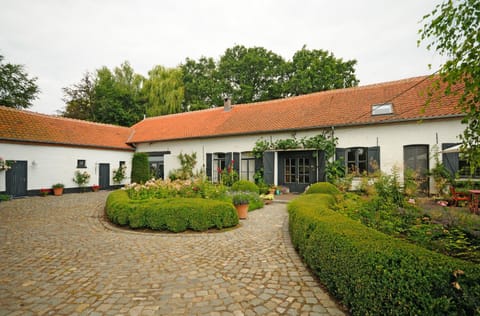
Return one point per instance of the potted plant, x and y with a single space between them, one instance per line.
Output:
58 189
272 189
95 188
267 198
241 201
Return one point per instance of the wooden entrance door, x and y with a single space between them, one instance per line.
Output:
16 179
297 170
104 176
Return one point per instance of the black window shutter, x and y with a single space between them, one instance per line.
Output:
258 164
208 168
228 160
268 167
450 160
236 162
321 166
373 158
340 153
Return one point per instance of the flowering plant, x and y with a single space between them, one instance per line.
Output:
229 175
267 196
119 174
4 165
45 192
81 178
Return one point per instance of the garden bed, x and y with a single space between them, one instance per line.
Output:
179 205
376 274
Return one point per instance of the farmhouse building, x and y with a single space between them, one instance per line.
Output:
386 125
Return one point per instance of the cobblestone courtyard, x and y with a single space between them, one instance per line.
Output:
58 257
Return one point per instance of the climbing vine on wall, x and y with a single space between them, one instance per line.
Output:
322 142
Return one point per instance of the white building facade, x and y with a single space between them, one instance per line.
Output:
41 166
386 126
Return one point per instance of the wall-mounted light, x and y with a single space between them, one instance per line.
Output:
34 163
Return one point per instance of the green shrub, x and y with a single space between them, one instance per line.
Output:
322 187
173 214
253 199
160 189
240 198
375 274
245 185
140 169
255 202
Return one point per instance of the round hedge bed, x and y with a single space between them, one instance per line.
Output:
170 214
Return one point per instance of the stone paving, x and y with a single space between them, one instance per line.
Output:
58 257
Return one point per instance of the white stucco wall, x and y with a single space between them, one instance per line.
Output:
390 137
48 165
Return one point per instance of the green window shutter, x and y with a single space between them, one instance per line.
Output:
208 168
268 167
373 158
450 160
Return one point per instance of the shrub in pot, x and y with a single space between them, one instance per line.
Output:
58 189
241 201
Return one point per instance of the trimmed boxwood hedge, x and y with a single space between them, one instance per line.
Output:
322 187
245 185
172 214
376 274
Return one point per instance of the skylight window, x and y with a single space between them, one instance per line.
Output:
382 109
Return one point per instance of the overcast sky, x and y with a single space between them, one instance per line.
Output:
59 40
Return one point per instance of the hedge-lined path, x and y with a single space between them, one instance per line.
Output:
58 257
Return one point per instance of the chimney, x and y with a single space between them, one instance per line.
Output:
227 104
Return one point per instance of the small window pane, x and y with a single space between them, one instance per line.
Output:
81 163
382 109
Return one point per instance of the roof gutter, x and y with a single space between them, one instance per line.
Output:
47 143
328 126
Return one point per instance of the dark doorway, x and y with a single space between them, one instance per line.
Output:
16 178
156 164
104 176
415 158
297 169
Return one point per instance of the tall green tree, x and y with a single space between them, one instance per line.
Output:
318 70
112 97
17 89
118 98
164 91
202 86
256 74
251 74
452 29
80 99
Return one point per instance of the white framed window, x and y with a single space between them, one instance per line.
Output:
81 163
382 109
218 166
247 167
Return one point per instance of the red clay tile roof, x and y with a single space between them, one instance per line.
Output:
25 126
341 107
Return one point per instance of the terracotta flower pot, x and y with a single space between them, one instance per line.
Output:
57 191
242 211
